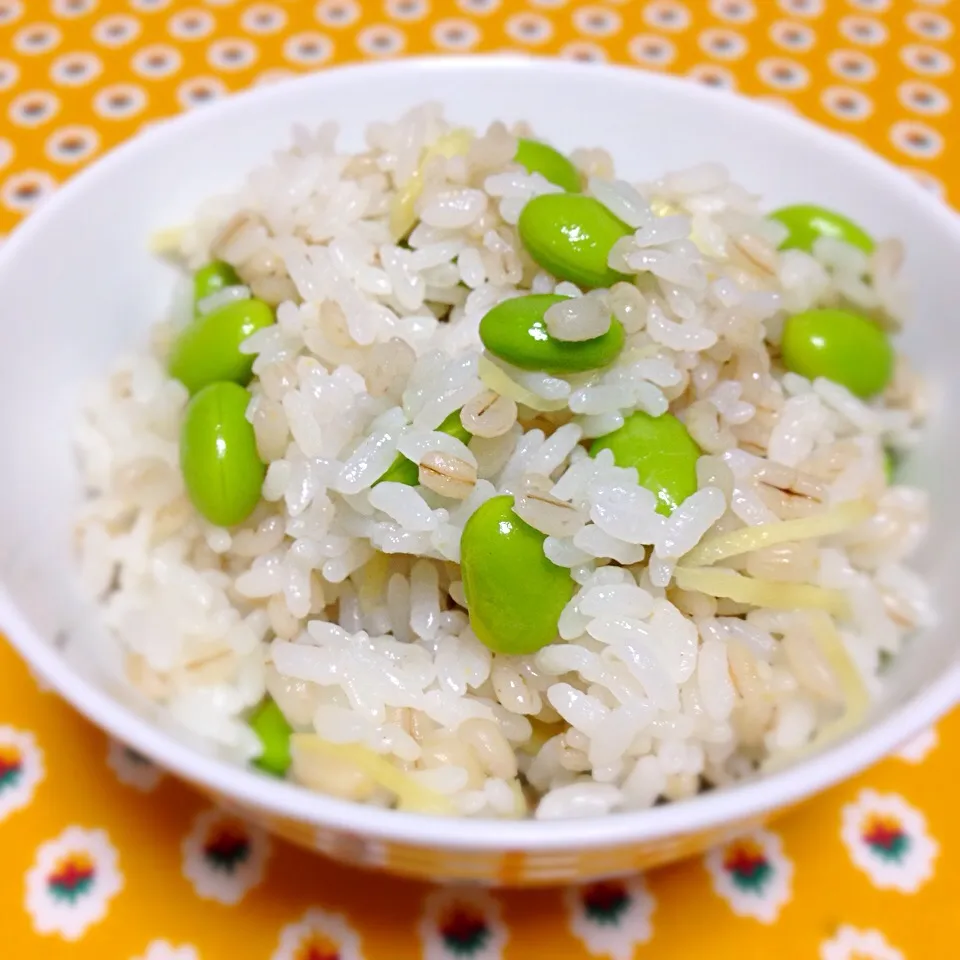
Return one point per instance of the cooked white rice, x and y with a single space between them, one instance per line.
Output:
343 600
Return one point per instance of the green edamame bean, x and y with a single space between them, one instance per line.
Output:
663 452
401 470
218 455
273 731
841 346
406 471
570 235
537 157
515 331
212 277
889 465
808 222
515 595
208 350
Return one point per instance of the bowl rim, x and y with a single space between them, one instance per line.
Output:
736 803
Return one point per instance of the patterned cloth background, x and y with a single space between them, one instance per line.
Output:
102 856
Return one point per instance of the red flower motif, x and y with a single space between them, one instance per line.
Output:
317 946
463 929
227 845
71 877
748 864
605 901
885 835
11 766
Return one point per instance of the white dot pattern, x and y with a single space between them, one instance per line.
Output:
78 75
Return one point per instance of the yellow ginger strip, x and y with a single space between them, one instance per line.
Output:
844 517
411 795
856 695
166 241
403 213
499 381
760 593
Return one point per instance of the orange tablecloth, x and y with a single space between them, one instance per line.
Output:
101 856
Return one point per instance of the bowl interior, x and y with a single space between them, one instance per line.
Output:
80 285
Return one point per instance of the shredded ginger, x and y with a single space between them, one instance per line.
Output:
761 593
166 241
855 694
856 698
838 520
411 796
499 381
403 206
521 807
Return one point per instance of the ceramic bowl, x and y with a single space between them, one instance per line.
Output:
79 286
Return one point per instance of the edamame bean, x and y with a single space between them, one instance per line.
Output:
889 465
406 471
514 593
218 455
570 235
212 277
537 157
515 331
273 731
841 346
208 350
807 223
664 454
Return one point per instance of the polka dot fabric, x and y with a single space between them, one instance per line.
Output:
105 857
79 76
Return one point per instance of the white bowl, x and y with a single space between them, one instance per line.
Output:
79 286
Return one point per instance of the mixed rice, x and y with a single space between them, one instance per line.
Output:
745 628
